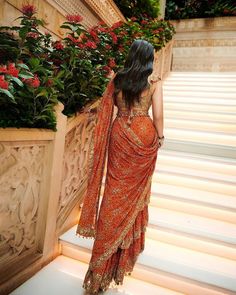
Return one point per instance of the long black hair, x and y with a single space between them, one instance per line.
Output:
133 78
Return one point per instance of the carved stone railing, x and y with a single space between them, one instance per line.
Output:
74 181
162 61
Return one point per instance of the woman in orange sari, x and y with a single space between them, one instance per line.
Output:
131 142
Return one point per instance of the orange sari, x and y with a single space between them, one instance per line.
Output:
119 228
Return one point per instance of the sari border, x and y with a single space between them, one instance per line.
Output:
140 205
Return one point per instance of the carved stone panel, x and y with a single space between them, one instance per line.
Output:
76 155
21 175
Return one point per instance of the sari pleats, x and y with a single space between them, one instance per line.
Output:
123 214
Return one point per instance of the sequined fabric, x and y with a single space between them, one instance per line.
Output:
123 216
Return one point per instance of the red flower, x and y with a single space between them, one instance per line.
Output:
33 82
117 24
49 83
102 23
102 29
74 40
81 45
111 63
133 18
108 46
12 70
90 44
94 35
155 31
74 18
3 69
28 9
144 22
161 30
32 35
58 45
114 37
3 84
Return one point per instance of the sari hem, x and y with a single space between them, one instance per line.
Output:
140 206
94 282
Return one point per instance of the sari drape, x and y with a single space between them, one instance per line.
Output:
119 229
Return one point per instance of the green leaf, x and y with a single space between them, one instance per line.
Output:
18 81
26 75
8 93
34 62
42 93
66 27
23 66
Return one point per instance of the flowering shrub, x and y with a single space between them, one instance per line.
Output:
195 8
26 99
74 70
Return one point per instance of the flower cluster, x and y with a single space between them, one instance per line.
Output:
74 18
28 10
10 70
33 82
3 83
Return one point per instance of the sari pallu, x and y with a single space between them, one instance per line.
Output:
123 216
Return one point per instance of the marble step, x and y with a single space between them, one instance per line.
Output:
202 108
198 226
65 275
205 164
206 125
191 269
202 210
194 196
191 181
203 75
203 137
191 241
200 92
203 79
199 116
176 84
204 88
203 99
185 142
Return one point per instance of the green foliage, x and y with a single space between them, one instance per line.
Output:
28 100
130 8
180 9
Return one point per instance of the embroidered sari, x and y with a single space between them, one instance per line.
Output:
119 226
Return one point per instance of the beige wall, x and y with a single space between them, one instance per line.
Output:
205 44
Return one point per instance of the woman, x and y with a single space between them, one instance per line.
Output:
132 141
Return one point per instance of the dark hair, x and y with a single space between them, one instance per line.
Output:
133 78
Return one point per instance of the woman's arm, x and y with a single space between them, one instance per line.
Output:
157 108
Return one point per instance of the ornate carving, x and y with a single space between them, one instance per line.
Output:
107 10
76 7
205 43
75 165
20 183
